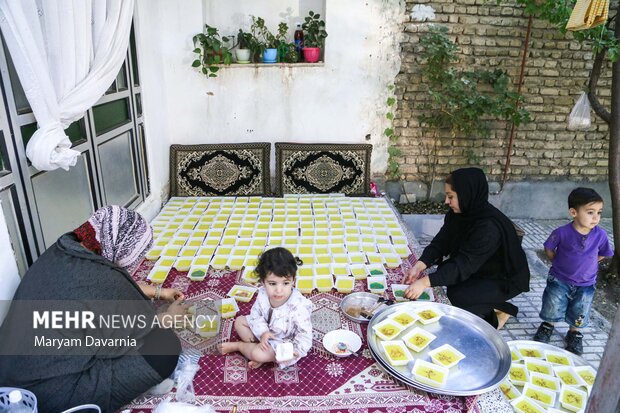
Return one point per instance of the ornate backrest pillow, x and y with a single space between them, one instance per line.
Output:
220 169
323 168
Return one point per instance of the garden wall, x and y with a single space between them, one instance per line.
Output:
556 71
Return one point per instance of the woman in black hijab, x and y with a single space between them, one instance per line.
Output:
486 265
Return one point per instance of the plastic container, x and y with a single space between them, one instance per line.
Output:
417 339
13 400
446 356
429 373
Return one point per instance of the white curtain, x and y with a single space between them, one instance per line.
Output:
67 53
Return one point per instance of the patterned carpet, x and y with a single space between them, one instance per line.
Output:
319 382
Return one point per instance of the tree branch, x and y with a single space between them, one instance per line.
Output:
599 109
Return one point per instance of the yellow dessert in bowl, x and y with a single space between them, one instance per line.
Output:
518 374
417 339
573 399
509 390
545 381
568 376
387 329
587 373
158 274
305 285
430 373
403 318
524 404
541 395
345 284
396 353
558 358
446 356
538 366
428 316
530 352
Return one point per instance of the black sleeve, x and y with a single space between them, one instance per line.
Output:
480 245
438 248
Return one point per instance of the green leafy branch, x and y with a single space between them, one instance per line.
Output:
211 51
393 168
557 12
462 99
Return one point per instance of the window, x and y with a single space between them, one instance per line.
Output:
39 206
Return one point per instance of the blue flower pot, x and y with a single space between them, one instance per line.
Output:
270 55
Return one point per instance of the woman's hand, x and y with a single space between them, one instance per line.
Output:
174 316
414 272
264 340
168 294
417 288
178 308
171 294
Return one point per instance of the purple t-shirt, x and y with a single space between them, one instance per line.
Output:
576 255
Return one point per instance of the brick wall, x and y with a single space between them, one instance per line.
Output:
492 36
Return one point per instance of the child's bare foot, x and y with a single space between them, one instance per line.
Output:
502 317
226 348
254 364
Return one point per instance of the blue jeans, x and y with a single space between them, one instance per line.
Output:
571 303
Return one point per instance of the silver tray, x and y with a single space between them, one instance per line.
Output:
487 360
367 300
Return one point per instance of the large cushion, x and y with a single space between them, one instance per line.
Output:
220 169
323 168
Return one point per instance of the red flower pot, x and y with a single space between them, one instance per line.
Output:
312 54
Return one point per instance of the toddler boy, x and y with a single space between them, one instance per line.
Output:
575 250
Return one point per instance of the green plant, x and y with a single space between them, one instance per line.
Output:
286 50
314 30
462 102
393 168
557 12
261 33
211 51
246 40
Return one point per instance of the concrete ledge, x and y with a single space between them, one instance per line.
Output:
527 199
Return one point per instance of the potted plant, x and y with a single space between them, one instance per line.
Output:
266 39
244 48
211 51
286 50
314 36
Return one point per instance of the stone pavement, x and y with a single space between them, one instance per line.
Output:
524 326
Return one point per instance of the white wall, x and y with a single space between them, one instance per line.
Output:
340 102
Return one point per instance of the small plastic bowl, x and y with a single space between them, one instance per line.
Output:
352 341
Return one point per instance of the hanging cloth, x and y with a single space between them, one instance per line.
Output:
66 54
588 14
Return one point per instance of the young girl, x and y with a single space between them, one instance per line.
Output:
280 314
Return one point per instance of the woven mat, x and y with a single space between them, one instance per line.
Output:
319 382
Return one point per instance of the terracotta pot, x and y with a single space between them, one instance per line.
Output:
312 54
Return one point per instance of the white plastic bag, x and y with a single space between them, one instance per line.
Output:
185 381
174 407
579 118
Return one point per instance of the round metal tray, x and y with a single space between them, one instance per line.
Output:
487 360
366 300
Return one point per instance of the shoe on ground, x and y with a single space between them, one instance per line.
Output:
574 342
543 334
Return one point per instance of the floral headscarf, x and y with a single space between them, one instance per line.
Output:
123 236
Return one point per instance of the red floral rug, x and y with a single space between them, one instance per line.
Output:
319 382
